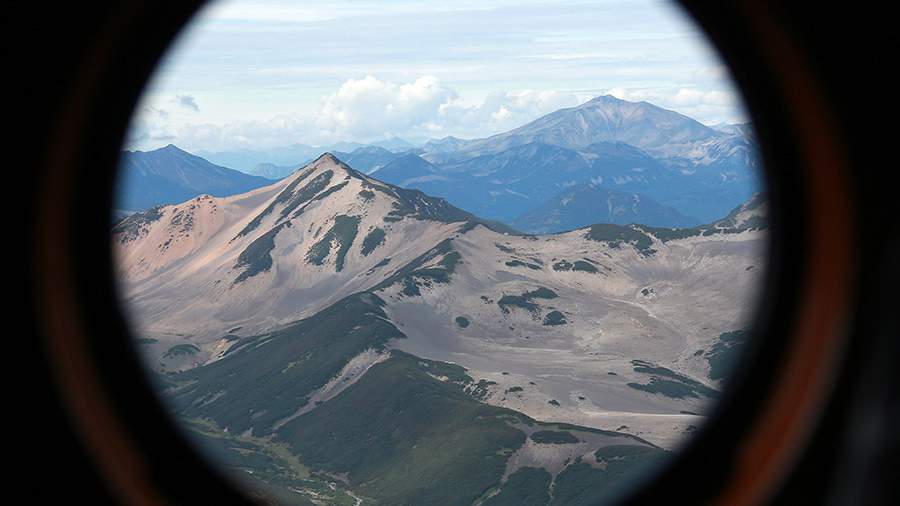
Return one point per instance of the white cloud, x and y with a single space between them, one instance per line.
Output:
152 127
362 110
501 111
371 108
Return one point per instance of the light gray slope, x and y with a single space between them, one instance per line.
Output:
637 302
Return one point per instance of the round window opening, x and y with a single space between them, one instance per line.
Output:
440 253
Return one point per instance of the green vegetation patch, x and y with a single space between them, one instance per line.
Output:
132 226
253 387
481 389
283 197
519 263
265 469
555 318
413 275
666 234
315 185
421 441
582 266
727 225
257 256
528 486
341 236
618 470
553 437
373 239
669 383
616 235
146 340
578 265
526 301
322 196
462 321
562 265
181 349
384 261
454 373
366 195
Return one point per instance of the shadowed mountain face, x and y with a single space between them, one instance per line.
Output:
331 337
586 204
507 184
169 175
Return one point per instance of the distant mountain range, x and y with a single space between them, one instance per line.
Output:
369 159
295 155
658 131
333 337
632 147
513 181
170 175
272 171
680 171
586 203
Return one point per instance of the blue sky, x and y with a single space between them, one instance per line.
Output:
248 74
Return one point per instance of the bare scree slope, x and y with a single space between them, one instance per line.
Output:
334 337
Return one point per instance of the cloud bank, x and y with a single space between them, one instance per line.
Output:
368 109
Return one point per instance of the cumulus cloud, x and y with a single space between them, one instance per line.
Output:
368 107
149 126
362 110
505 110
274 132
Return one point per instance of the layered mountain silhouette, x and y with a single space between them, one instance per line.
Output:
605 119
334 337
170 175
294 155
587 203
635 148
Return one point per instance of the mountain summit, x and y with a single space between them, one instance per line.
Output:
318 235
606 118
461 288
169 175
631 147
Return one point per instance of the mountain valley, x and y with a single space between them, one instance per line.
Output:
333 337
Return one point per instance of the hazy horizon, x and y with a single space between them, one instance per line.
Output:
262 75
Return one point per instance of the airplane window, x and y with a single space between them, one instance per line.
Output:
441 253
